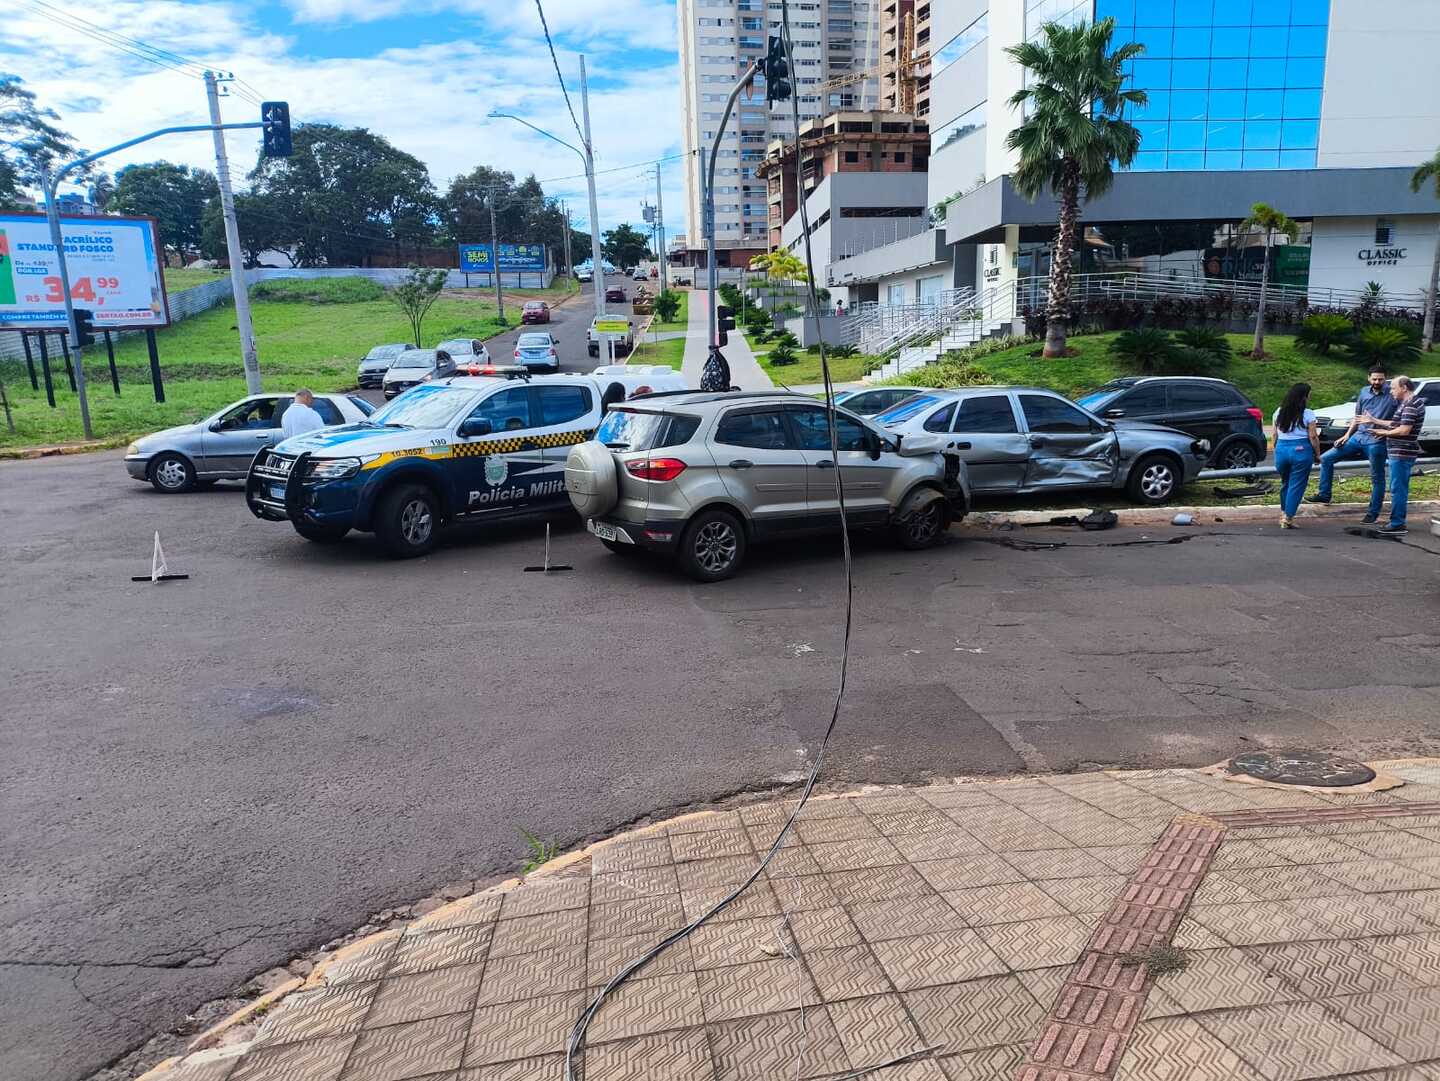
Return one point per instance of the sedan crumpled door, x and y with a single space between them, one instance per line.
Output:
1068 447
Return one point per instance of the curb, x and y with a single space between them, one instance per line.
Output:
19 454
1000 519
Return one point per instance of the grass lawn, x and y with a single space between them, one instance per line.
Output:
299 344
806 368
1334 378
670 352
178 278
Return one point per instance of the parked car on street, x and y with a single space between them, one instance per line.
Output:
868 401
535 311
640 275
221 446
461 349
1209 409
584 274
413 367
1019 440
700 476
615 293
624 344
1332 420
466 448
374 364
640 378
536 349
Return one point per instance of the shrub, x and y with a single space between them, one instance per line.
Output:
1319 333
667 305
1388 343
786 340
350 290
761 334
1146 349
841 351
783 354
1206 340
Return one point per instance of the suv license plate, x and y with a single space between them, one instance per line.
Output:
603 531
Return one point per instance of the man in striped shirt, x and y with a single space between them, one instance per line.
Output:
1402 445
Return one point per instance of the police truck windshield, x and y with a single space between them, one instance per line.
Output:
425 406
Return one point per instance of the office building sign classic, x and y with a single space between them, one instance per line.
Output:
1381 256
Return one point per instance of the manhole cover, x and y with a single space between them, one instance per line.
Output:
1302 767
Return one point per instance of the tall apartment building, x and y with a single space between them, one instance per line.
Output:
719 39
1321 108
904 78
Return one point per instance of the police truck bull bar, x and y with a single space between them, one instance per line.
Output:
292 509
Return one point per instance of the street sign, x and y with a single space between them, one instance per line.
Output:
611 326
114 272
513 257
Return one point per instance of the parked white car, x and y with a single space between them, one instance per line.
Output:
640 378
1332 420
624 343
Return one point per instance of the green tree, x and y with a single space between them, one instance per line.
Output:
344 195
30 140
1266 219
1073 135
261 230
780 265
416 295
523 213
174 195
1429 172
667 305
624 246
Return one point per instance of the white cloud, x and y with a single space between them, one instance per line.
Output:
430 100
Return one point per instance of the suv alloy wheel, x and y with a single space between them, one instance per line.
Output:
712 547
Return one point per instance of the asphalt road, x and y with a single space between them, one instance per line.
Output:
570 323
202 778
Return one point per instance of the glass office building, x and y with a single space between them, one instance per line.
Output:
1233 84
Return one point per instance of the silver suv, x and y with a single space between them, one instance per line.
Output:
701 476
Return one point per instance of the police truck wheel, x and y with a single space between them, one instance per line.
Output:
408 521
172 473
712 547
321 534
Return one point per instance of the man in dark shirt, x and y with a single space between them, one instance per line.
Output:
1359 442
1402 443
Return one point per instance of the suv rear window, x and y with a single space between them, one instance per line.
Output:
625 429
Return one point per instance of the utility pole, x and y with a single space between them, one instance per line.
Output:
51 184
249 357
660 229
569 264
495 259
597 256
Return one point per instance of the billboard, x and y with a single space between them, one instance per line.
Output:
114 271
513 257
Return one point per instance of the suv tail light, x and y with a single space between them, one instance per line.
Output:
1259 416
517 354
655 468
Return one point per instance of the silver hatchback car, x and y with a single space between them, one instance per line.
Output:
222 446
700 476
1018 440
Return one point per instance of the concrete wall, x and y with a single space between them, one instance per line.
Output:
1338 244
1382 84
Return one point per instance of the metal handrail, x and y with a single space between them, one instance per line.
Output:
1132 285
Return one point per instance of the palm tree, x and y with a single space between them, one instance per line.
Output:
1429 170
1073 137
1269 220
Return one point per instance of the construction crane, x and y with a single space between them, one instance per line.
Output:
902 69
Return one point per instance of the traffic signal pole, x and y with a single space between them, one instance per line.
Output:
50 182
745 80
249 357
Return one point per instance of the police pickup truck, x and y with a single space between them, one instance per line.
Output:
464 448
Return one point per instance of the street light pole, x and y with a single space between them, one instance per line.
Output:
495 259
660 229
709 168
249 357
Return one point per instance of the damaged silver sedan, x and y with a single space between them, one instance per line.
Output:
1018 440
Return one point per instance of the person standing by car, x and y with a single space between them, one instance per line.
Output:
1358 441
301 417
1402 444
1297 445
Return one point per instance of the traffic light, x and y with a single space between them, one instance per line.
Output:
275 129
726 317
724 338
777 73
84 327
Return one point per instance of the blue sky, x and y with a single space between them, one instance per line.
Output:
423 73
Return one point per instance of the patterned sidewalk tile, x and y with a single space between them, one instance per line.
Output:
989 1012
547 895
904 917
881 884
874 1029
425 995
750 990
1178 1049
968 872
635 852
1009 903
1254 923
635 882
945 843
1418 956
515 1030
1057 863
1296 1040
847 972
987 1065
312 1060
1080 896
542 1068
1042 943
607 956
1380 876
1221 979
644 1005
1317 970
441 949
936 959
612 919
683 1056
531 975
769 1047
1363 915
1407 1022
323 1012
408 1050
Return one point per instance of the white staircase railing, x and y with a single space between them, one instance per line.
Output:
1130 285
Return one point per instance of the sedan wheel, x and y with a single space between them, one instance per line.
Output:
1153 480
170 473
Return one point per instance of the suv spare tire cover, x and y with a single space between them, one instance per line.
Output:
590 479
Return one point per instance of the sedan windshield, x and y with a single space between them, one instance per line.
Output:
534 341
415 358
910 407
430 405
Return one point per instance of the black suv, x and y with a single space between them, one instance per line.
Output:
1206 408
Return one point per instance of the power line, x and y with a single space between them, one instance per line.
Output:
131 46
618 168
556 61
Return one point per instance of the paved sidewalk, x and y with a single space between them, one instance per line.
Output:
1011 929
745 371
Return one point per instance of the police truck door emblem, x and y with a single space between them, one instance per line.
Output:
497 468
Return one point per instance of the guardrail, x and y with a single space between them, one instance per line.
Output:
1270 470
